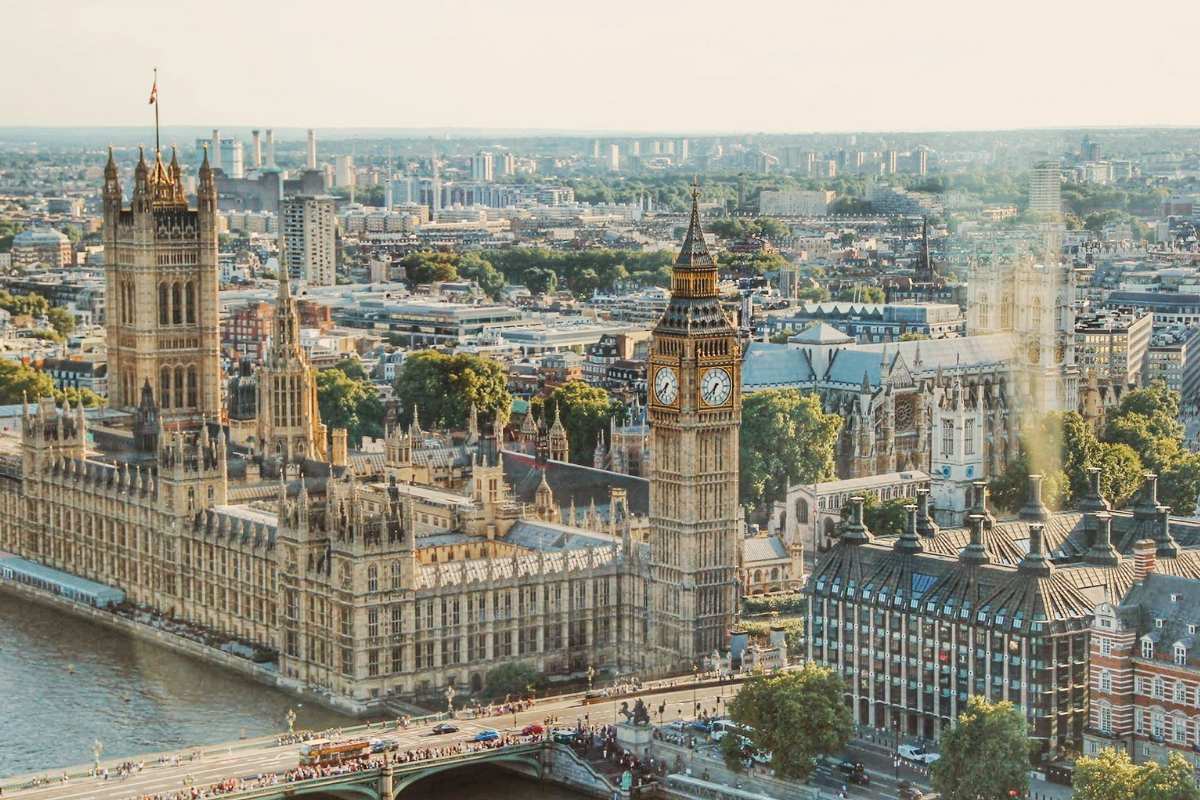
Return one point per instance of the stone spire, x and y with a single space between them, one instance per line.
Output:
695 271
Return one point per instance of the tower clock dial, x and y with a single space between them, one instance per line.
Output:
666 385
715 387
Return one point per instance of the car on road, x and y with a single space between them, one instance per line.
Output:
383 745
532 729
917 753
487 735
702 725
909 791
563 735
853 772
444 727
677 725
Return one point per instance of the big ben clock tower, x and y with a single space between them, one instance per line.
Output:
695 414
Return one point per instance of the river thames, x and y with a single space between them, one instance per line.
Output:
66 683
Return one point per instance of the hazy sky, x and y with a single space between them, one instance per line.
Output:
644 65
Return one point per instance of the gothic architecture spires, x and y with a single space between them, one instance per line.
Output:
695 415
289 421
162 321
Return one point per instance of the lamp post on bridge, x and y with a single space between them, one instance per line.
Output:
450 699
291 720
591 676
97 749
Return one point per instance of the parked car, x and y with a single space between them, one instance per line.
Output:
915 752
854 772
487 735
444 727
532 729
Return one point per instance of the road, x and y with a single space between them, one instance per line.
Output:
263 756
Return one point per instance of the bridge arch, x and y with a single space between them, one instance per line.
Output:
526 765
341 792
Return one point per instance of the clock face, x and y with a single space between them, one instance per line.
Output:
666 385
715 387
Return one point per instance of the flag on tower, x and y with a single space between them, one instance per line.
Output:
154 89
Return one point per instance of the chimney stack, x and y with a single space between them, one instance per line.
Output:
1034 509
926 527
910 540
1102 552
975 553
214 155
1143 559
854 530
1035 561
256 149
270 148
312 149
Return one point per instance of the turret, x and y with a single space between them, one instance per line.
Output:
206 188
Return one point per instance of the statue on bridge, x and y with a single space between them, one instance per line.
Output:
640 715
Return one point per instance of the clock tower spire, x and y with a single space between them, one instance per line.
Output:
695 415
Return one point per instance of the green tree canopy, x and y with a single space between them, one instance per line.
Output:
345 402
19 381
474 267
887 518
986 755
1110 775
444 386
513 679
586 411
430 267
785 436
862 294
796 716
62 320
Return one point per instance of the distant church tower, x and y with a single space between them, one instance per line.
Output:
160 269
695 416
289 420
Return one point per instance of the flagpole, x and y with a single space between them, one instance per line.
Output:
156 142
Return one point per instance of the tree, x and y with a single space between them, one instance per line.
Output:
20 381
1179 485
731 752
785 436
861 293
1110 775
986 755
62 320
795 716
585 411
345 402
913 336
430 267
474 267
887 518
444 387
515 679
352 368
76 396
541 281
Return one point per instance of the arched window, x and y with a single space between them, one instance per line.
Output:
190 301
1006 307
985 311
372 578
396 577
179 396
758 576
1035 314
176 305
164 308
164 387
802 511
774 573
191 387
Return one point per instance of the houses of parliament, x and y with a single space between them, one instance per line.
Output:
370 576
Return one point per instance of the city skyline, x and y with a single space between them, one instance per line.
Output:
768 69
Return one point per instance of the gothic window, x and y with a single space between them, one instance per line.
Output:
176 305
372 578
191 387
1035 314
164 309
396 576
985 312
164 387
947 438
190 301
802 511
179 397
969 437
1006 309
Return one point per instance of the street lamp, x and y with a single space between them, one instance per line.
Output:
591 675
291 720
97 749
695 688
450 699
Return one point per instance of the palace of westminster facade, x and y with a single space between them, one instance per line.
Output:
370 577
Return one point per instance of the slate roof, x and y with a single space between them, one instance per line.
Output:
757 549
821 333
772 366
567 481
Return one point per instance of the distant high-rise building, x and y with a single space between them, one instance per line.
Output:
890 159
683 151
922 161
312 149
270 148
507 165
482 166
614 158
255 150
214 150
343 171
1045 188
1089 150
635 148
231 158
309 233
595 148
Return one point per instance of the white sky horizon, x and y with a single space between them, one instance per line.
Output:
620 67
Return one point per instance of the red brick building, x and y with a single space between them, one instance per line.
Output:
1145 664
245 331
